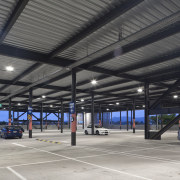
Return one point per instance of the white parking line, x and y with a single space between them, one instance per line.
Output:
19 145
16 173
91 164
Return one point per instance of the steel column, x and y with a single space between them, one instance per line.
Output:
161 121
157 122
10 117
111 118
58 119
73 99
127 121
62 116
41 117
120 119
100 120
46 120
134 124
69 123
30 106
131 119
92 113
146 93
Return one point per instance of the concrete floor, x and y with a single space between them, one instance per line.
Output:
118 156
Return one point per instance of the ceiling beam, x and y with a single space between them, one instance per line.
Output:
12 19
171 89
115 12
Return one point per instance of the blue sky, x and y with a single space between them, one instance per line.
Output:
4 115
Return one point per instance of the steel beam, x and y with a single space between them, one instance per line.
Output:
134 124
12 19
118 10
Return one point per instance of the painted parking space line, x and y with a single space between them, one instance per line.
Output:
19 145
91 164
16 173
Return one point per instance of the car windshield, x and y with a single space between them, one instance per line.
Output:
98 126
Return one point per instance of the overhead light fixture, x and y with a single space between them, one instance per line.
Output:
9 68
139 90
82 107
43 96
107 109
117 103
82 100
143 106
38 98
93 82
110 104
4 108
19 104
51 105
175 96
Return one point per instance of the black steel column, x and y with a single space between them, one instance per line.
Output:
120 120
46 120
111 118
62 116
9 112
13 118
73 99
58 119
83 120
69 121
131 119
100 120
157 122
161 121
41 117
30 120
127 121
146 128
18 117
92 113
134 110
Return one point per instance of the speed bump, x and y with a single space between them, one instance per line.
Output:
44 140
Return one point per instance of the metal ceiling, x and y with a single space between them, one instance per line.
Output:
122 49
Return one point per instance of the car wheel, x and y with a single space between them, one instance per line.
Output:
86 132
97 132
20 137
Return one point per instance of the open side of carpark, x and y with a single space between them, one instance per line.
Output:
120 155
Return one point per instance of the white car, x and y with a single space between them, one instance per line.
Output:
97 130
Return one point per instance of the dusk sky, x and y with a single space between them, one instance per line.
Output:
4 115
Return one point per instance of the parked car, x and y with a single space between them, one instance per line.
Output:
11 132
98 129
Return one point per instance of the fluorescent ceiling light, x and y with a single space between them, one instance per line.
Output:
175 96
9 68
93 82
139 90
82 100
117 103
43 96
